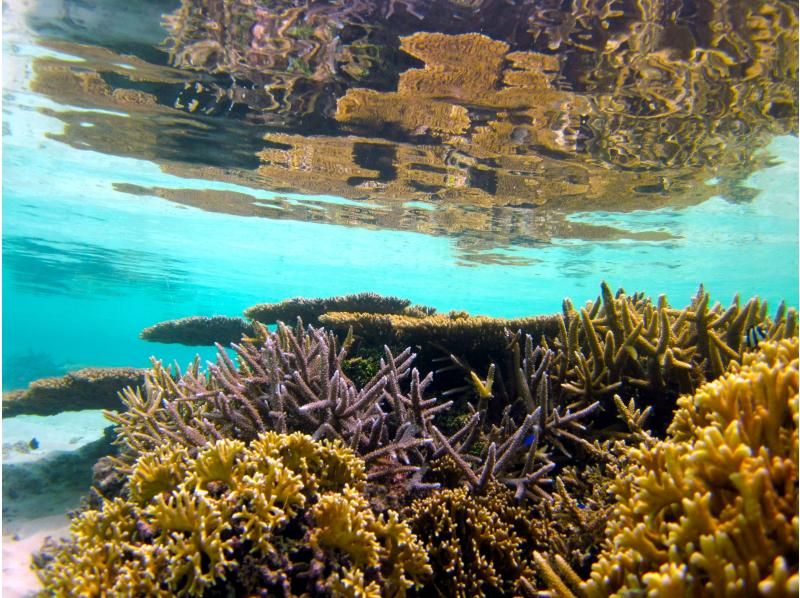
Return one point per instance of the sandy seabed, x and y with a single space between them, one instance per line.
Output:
40 485
20 540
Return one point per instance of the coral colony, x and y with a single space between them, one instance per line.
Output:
625 447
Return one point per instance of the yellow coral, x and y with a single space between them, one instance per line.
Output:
713 508
158 471
344 523
193 523
270 494
319 466
217 463
351 584
192 531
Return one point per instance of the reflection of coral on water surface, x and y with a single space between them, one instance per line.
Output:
503 117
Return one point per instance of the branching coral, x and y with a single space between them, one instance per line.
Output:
479 543
485 544
287 380
239 519
713 508
628 339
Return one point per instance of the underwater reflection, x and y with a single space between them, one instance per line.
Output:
499 118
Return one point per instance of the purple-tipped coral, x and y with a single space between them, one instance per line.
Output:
289 380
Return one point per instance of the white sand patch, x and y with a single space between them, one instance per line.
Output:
67 431
20 540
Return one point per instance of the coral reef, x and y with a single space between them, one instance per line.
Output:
285 380
284 514
309 310
88 388
471 334
198 330
627 339
713 507
297 467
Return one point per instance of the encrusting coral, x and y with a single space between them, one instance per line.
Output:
283 515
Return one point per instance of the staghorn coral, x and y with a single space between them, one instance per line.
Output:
239 519
198 330
309 310
713 508
285 380
621 339
88 388
533 412
520 435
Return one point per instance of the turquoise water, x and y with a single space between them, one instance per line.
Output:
86 268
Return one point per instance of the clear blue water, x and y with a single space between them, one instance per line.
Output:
86 268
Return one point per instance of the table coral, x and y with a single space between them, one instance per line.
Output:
455 329
198 330
239 519
309 310
713 508
87 388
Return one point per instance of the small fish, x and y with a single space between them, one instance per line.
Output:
754 335
529 439
33 444
581 505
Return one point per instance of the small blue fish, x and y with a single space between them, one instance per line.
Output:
581 505
754 335
529 439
